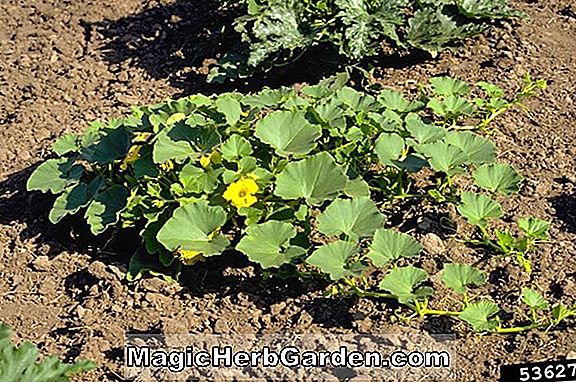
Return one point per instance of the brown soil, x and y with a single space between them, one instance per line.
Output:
63 64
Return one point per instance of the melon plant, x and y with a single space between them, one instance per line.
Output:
295 180
275 33
21 363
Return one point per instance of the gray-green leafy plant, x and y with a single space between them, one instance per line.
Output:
275 33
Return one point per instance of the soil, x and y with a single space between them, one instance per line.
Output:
66 63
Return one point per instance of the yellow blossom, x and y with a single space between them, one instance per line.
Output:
132 156
241 193
213 157
167 166
190 257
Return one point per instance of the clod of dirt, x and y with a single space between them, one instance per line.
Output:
41 264
433 244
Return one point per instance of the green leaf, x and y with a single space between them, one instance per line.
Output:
534 299
142 263
111 147
451 107
395 100
459 277
333 259
55 175
175 118
446 86
477 208
534 228
198 180
488 9
182 141
389 148
388 246
404 284
357 188
479 150
230 107
423 132
497 177
480 315
288 132
194 227
356 218
560 313
69 202
316 179
444 157
236 147
21 364
66 144
104 211
432 30
268 244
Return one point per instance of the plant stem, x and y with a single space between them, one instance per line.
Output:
519 329
440 312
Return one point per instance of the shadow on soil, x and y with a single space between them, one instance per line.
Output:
565 210
180 41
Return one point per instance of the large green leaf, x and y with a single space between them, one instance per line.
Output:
389 148
480 315
404 283
388 246
66 144
268 244
459 276
104 211
498 177
356 218
422 132
194 227
446 86
444 157
433 30
228 105
69 202
333 259
289 132
55 175
478 208
181 141
316 179
111 147
395 100
198 180
236 147
478 149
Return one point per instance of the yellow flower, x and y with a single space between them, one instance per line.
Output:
190 257
132 156
213 157
167 166
241 193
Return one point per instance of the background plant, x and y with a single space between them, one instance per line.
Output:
274 33
296 180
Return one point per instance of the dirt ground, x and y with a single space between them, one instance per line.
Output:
66 63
